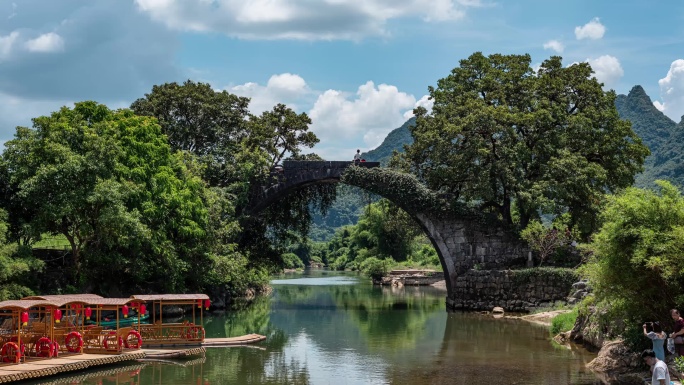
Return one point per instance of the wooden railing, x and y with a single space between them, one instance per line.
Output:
171 333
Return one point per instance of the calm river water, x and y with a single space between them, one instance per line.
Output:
333 328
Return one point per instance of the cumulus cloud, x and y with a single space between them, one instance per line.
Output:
48 42
284 88
372 112
6 44
297 19
425 102
554 45
101 50
607 69
593 30
672 91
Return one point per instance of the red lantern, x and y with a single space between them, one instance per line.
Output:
206 304
88 312
58 315
24 318
124 310
199 303
143 309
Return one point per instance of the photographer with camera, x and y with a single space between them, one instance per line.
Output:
655 333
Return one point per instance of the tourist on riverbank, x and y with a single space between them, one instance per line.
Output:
357 156
660 375
655 333
678 333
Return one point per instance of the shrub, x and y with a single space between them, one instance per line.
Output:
292 261
376 268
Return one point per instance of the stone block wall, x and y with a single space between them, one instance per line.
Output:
486 289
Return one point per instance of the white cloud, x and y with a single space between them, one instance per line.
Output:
371 113
342 120
592 30
48 42
672 91
554 45
298 19
283 88
425 101
607 69
6 44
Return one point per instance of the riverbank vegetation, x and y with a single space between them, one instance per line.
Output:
636 267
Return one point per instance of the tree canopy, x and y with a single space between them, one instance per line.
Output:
109 182
636 269
523 142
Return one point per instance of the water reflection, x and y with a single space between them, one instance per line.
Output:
349 332
478 349
119 374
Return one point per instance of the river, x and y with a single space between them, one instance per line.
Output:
336 328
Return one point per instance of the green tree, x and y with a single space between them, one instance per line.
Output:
107 180
204 122
545 240
637 269
16 263
522 142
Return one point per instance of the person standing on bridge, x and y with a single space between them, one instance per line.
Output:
357 156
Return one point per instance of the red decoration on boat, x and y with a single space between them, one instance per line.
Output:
124 310
143 309
206 304
199 303
24 318
57 314
88 312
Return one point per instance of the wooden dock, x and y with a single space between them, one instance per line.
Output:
43 368
173 353
209 342
64 364
234 341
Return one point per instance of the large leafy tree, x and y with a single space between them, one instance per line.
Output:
636 268
237 151
108 181
521 142
195 118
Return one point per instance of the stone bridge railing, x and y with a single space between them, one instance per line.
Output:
298 174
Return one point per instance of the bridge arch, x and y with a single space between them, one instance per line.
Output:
460 237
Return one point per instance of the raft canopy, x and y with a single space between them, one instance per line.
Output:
62 296
23 304
170 297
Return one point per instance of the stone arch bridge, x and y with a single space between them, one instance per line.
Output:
462 241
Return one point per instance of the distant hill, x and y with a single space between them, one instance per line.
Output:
662 135
395 140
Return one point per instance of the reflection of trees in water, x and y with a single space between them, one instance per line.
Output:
477 349
389 319
265 364
245 365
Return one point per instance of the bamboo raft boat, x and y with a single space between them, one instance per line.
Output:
52 334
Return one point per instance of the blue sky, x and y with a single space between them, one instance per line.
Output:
357 67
